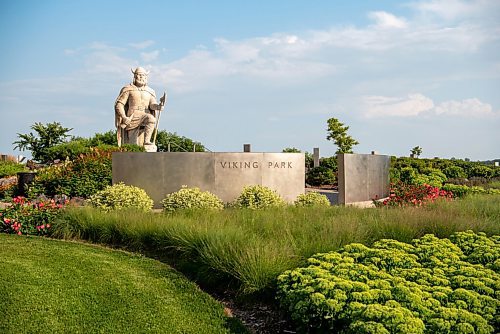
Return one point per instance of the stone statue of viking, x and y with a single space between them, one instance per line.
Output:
136 111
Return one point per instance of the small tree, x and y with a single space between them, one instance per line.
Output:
338 133
416 151
46 137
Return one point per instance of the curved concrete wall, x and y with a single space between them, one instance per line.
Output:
223 174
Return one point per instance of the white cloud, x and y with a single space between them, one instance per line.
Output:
448 9
150 56
387 20
418 104
142 45
382 106
458 9
466 108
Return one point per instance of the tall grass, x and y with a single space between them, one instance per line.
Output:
252 247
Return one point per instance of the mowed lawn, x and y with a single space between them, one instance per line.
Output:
52 286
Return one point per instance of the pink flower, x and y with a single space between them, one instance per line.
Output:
19 233
48 225
7 220
42 227
40 205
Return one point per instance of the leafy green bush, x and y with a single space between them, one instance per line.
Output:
121 196
10 168
258 197
408 175
429 286
70 150
312 198
454 172
318 176
330 163
463 190
81 177
191 198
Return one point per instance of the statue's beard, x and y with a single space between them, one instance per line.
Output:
140 83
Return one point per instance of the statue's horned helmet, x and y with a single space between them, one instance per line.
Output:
139 70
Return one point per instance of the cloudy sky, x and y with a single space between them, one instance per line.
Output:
268 73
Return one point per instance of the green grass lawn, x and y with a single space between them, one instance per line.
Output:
51 286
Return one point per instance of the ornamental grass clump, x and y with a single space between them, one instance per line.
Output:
312 198
120 196
430 285
191 198
258 197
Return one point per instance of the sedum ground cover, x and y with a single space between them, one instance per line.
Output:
51 286
430 285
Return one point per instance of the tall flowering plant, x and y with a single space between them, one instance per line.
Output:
29 217
403 194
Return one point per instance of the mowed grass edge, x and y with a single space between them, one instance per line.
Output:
53 286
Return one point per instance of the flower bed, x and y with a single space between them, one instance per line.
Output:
403 194
29 217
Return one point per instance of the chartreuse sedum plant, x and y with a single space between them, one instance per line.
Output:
121 196
430 285
258 197
312 198
191 198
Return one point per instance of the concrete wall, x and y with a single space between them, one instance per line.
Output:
224 174
362 177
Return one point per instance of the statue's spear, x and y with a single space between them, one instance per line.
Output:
163 99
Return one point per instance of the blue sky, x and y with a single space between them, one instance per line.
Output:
269 73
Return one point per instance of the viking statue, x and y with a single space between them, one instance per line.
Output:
137 111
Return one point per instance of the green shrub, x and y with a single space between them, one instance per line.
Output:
312 198
481 171
191 198
318 176
454 172
408 175
429 286
121 196
82 177
258 197
330 163
463 190
70 150
10 168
